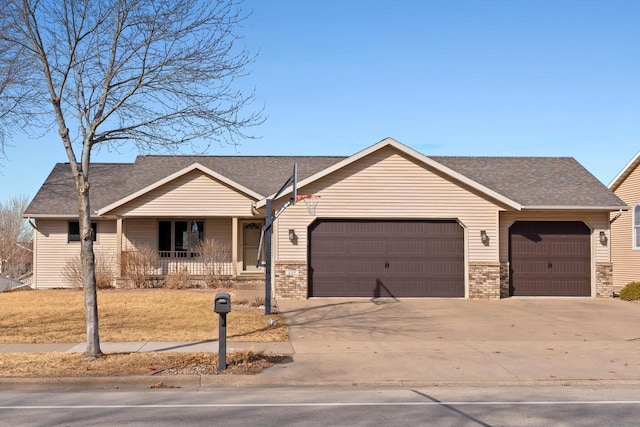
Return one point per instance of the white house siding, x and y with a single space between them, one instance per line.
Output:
192 195
53 249
626 260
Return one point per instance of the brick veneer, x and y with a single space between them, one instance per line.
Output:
484 280
604 279
504 280
290 279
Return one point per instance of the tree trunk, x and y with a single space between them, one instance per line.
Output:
89 270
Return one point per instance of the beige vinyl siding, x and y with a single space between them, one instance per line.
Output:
597 221
626 259
53 250
192 195
139 232
390 185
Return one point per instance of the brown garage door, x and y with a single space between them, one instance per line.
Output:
550 258
368 258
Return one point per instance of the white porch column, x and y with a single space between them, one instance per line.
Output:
119 246
234 245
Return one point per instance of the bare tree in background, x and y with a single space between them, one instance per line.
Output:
15 238
158 73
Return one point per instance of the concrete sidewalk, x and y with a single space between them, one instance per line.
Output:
133 347
431 342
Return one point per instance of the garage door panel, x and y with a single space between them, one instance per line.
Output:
550 258
386 258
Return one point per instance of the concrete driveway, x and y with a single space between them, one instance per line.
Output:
566 340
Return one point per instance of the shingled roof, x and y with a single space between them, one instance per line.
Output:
531 182
536 182
111 182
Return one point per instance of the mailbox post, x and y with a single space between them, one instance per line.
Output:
222 306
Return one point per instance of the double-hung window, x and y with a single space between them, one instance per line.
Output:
179 238
636 227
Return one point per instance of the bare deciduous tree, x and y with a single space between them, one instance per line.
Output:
15 238
156 73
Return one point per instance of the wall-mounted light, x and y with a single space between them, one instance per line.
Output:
484 237
292 234
603 238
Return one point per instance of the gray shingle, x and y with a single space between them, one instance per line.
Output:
529 181
111 182
535 181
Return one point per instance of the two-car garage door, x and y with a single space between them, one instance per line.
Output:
373 258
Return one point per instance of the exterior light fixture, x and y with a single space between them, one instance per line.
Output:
603 238
292 234
484 237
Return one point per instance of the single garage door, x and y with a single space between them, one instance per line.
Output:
369 258
550 258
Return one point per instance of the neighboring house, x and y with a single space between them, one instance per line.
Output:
390 222
625 226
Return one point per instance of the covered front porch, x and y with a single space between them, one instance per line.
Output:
200 247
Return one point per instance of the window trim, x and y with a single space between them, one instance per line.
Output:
77 237
635 227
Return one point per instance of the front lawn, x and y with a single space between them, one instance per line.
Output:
50 316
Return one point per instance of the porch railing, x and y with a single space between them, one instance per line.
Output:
167 262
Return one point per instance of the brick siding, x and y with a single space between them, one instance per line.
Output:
290 279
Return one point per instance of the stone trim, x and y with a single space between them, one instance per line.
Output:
604 280
290 280
504 280
484 280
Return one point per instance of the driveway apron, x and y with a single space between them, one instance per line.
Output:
356 341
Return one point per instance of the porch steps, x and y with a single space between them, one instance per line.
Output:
249 287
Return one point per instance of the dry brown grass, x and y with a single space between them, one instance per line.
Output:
49 316
56 365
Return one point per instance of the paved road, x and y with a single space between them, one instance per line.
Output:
321 406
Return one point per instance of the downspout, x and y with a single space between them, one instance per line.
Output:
615 217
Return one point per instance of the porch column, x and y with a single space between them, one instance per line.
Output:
119 246
234 245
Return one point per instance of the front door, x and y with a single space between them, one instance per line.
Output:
250 242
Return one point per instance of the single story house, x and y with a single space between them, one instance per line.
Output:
390 222
625 226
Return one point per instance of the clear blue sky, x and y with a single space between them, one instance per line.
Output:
495 78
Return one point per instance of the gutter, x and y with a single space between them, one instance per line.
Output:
576 208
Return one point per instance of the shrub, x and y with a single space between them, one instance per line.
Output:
178 279
73 274
631 292
214 255
139 266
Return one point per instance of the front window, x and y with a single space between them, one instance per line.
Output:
74 231
179 238
636 227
